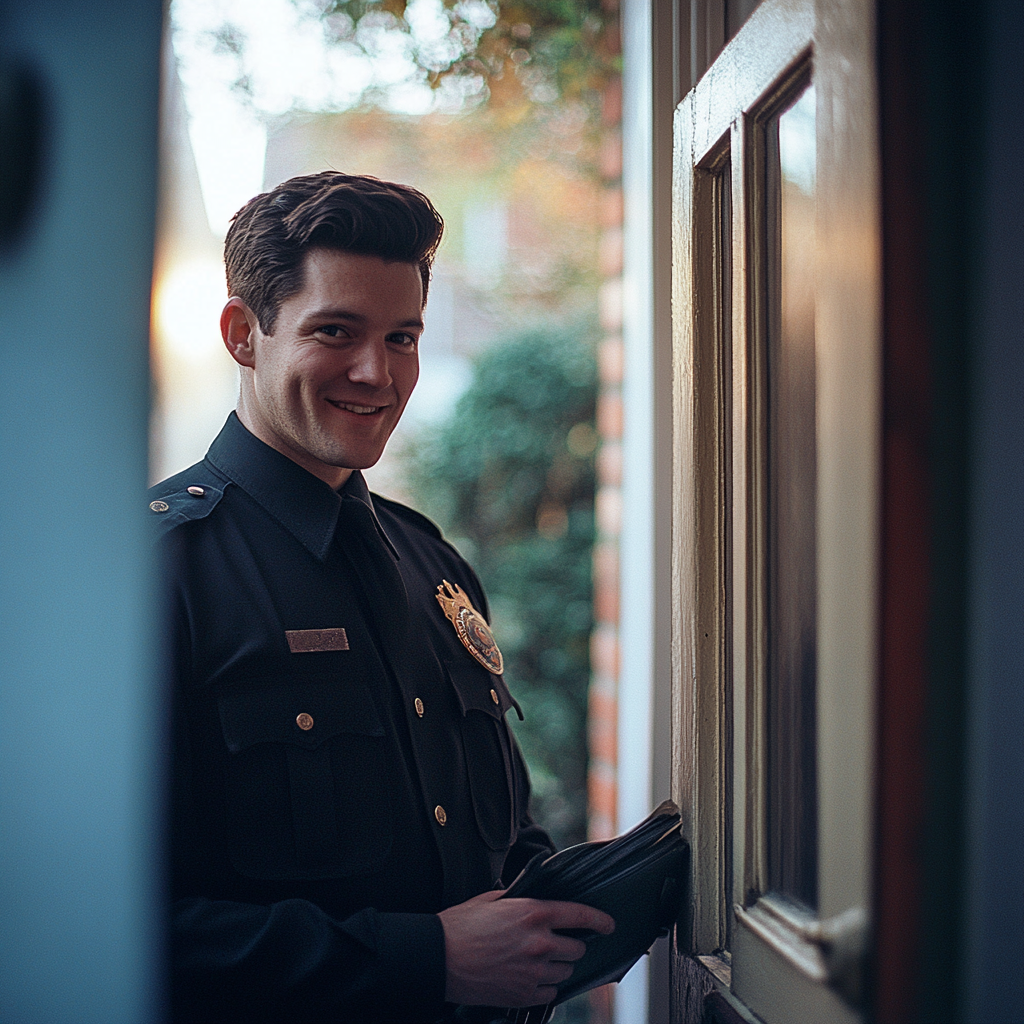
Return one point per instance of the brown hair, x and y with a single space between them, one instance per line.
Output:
266 245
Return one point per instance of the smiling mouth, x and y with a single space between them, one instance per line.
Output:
360 410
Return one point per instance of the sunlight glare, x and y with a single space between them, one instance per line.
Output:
188 304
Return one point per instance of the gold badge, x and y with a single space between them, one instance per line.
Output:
473 631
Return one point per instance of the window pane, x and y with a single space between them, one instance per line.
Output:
792 455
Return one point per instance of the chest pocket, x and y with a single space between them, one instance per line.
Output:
484 699
305 779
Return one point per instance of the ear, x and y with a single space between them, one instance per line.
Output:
238 328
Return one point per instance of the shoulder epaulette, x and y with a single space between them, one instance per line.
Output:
410 515
184 498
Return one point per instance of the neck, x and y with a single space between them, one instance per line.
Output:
334 476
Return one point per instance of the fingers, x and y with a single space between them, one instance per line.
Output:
485 897
546 989
554 973
544 995
566 949
578 915
510 952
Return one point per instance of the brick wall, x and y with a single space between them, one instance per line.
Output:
602 724
604 645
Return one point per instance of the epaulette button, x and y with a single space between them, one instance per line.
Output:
196 492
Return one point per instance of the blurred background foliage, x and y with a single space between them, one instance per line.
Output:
511 53
510 479
521 61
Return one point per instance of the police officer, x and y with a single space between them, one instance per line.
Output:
348 799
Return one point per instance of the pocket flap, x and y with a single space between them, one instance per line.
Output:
304 714
480 690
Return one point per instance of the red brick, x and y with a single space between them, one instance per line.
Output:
609 464
608 511
606 582
602 743
612 208
610 360
602 792
613 38
604 652
602 1003
609 415
609 155
609 304
602 708
611 102
609 254
600 828
602 734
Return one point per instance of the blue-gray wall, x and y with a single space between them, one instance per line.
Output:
80 746
994 889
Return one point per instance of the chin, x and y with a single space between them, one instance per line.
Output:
351 460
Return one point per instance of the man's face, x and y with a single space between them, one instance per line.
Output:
329 386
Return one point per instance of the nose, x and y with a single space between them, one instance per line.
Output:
370 364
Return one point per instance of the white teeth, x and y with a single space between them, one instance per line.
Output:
363 410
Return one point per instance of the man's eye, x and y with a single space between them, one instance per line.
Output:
404 339
331 330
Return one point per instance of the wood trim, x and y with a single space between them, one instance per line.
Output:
718 1010
721 117
684 555
781 991
711 130
698 566
776 37
785 938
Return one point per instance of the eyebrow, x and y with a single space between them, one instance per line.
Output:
337 313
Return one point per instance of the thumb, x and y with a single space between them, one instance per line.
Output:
485 897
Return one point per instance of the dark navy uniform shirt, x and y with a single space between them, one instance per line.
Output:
343 769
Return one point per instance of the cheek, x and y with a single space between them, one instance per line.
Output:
407 377
304 377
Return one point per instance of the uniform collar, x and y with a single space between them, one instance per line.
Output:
301 502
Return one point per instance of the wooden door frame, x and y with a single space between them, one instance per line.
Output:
782 37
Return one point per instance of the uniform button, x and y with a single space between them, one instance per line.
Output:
197 492
440 815
159 506
494 697
418 705
304 721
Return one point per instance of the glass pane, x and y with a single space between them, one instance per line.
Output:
792 456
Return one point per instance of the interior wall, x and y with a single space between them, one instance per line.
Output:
80 736
994 894
949 928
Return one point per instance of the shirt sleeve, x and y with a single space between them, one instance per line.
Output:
290 961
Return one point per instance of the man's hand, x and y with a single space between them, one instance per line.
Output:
506 953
